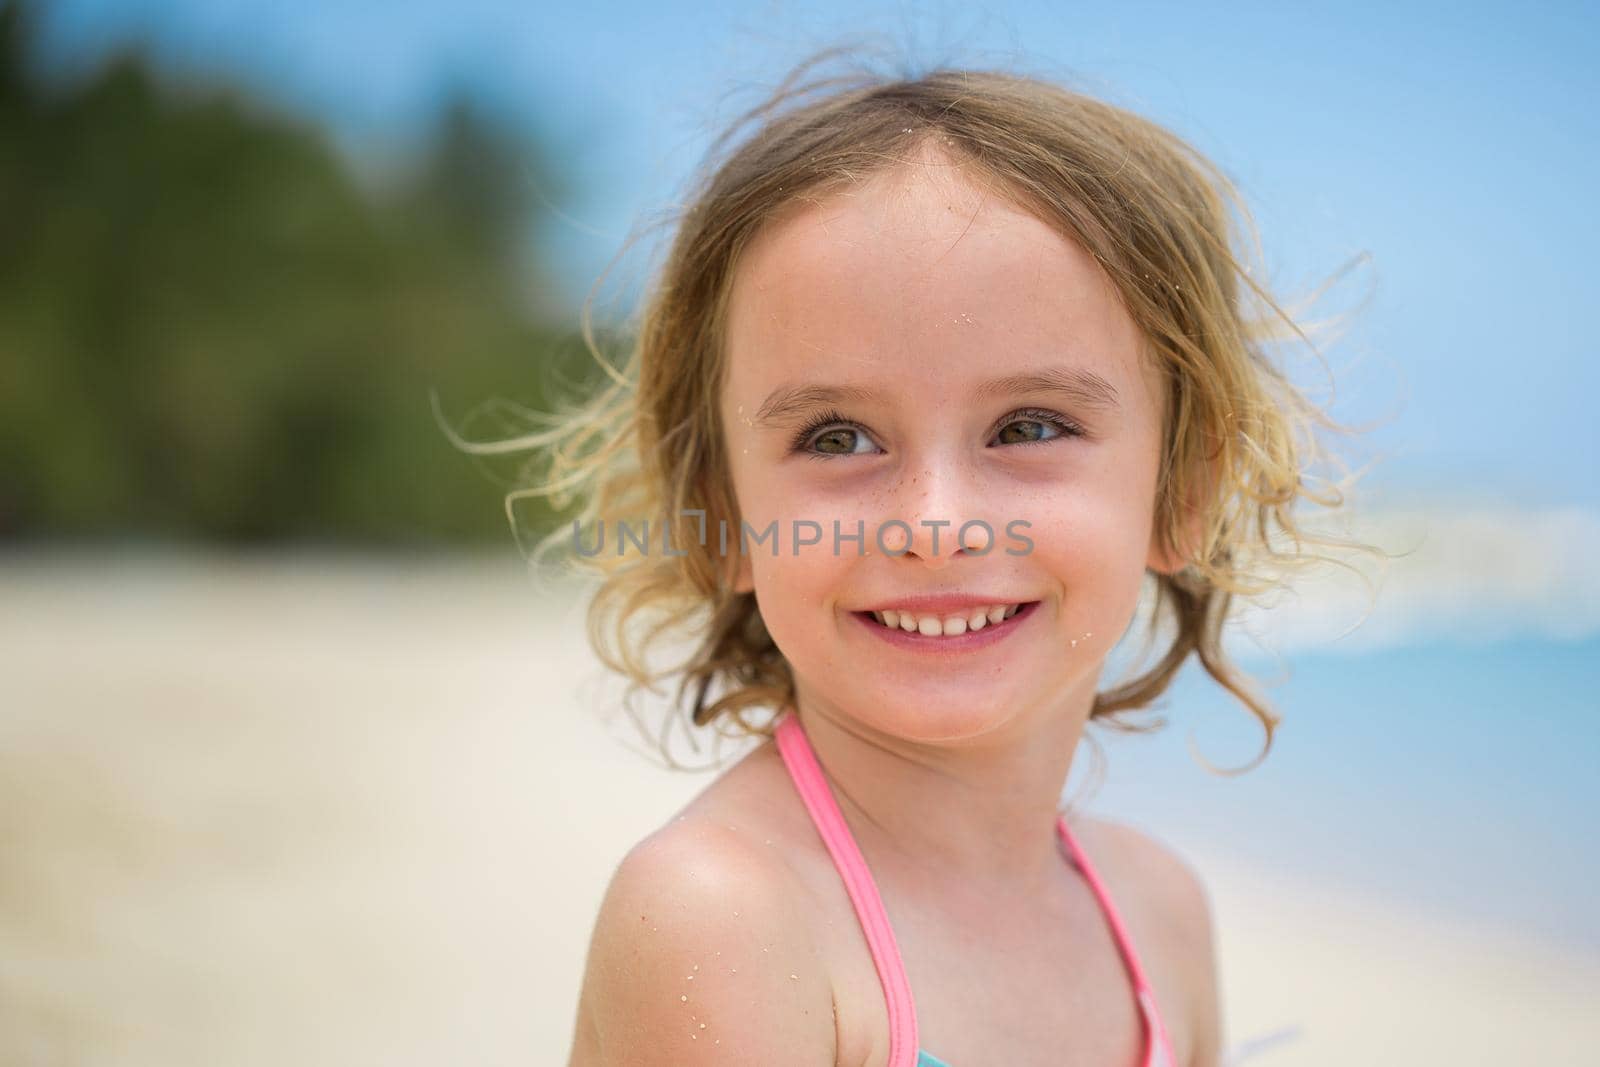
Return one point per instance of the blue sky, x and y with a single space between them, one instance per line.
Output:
1454 144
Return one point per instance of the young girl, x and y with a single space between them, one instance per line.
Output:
939 373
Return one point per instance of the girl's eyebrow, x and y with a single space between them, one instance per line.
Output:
1078 385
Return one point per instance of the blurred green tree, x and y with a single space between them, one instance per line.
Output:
209 329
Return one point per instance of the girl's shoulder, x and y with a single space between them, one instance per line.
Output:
1164 902
1137 864
747 824
704 947
750 816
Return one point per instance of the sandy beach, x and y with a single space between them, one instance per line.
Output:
343 810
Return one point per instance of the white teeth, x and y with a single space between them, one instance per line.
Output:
946 626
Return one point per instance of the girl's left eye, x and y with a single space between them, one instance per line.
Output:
838 428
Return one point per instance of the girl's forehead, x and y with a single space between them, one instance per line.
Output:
918 215
919 269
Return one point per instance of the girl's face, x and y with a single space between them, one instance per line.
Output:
918 350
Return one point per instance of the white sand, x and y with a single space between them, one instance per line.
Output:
349 812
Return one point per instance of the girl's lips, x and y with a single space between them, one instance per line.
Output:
971 641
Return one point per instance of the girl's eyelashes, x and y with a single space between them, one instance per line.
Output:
1065 426
836 424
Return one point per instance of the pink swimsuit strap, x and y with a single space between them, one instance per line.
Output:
814 790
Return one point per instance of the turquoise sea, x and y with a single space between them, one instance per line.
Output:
1460 776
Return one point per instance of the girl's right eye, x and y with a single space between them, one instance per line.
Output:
837 437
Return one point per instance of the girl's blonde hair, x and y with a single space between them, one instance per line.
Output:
1144 203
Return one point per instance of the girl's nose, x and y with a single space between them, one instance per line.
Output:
936 504
935 544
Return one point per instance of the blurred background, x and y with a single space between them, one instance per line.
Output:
298 762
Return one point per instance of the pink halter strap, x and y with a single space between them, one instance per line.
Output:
814 791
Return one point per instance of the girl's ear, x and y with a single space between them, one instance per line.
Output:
1169 559
1162 559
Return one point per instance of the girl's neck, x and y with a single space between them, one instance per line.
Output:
977 814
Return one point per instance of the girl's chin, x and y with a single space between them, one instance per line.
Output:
939 718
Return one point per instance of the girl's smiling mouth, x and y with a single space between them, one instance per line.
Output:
947 632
